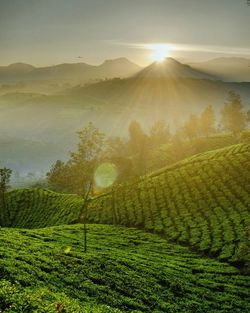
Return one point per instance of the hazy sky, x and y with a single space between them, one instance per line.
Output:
45 32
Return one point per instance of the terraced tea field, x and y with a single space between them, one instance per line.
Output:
34 208
124 270
203 202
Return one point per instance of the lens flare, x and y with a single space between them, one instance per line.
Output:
105 175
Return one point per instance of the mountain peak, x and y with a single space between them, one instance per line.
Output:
120 67
171 68
21 66
121 60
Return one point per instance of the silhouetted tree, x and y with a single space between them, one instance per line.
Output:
118 153
5 175
74 176
191 127
177 147
248 116
139 147
159 134
58 177
233 117
207 121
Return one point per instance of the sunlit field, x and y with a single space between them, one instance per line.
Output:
124 156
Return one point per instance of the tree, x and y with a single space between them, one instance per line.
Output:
74 175
139 147
159 133
191 127
90 150
82 165
233 117
77 175
207 121
5 175
59 177
248 116
118 153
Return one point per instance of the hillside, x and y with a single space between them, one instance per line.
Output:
68 72
171 68
51 114
33 208
124 270
202 202
167 88
228 69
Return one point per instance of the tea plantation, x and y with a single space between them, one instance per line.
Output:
203 202
186 248
124 270
34 208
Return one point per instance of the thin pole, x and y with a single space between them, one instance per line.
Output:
85 237
84 212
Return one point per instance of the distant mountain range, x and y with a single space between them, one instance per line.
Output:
41 127
227 69
168 86
68 72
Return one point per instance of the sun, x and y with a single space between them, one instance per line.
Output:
159 52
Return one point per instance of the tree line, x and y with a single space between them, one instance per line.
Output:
132 155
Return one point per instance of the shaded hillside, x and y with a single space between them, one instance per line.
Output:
68 72
170 68
124 270
202 201
33 208
228 69
169 87
15 72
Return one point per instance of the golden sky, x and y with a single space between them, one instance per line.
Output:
56 31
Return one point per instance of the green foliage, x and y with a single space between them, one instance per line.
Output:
138 145
191 127
32 208
5 175
159 134
179 149
202 201
207 121
16 299
234 118
124 270
76 175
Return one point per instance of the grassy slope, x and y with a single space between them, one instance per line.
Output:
202 201
33 208
170 153
123 268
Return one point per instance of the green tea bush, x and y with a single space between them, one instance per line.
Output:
202 201
33 208
124 270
